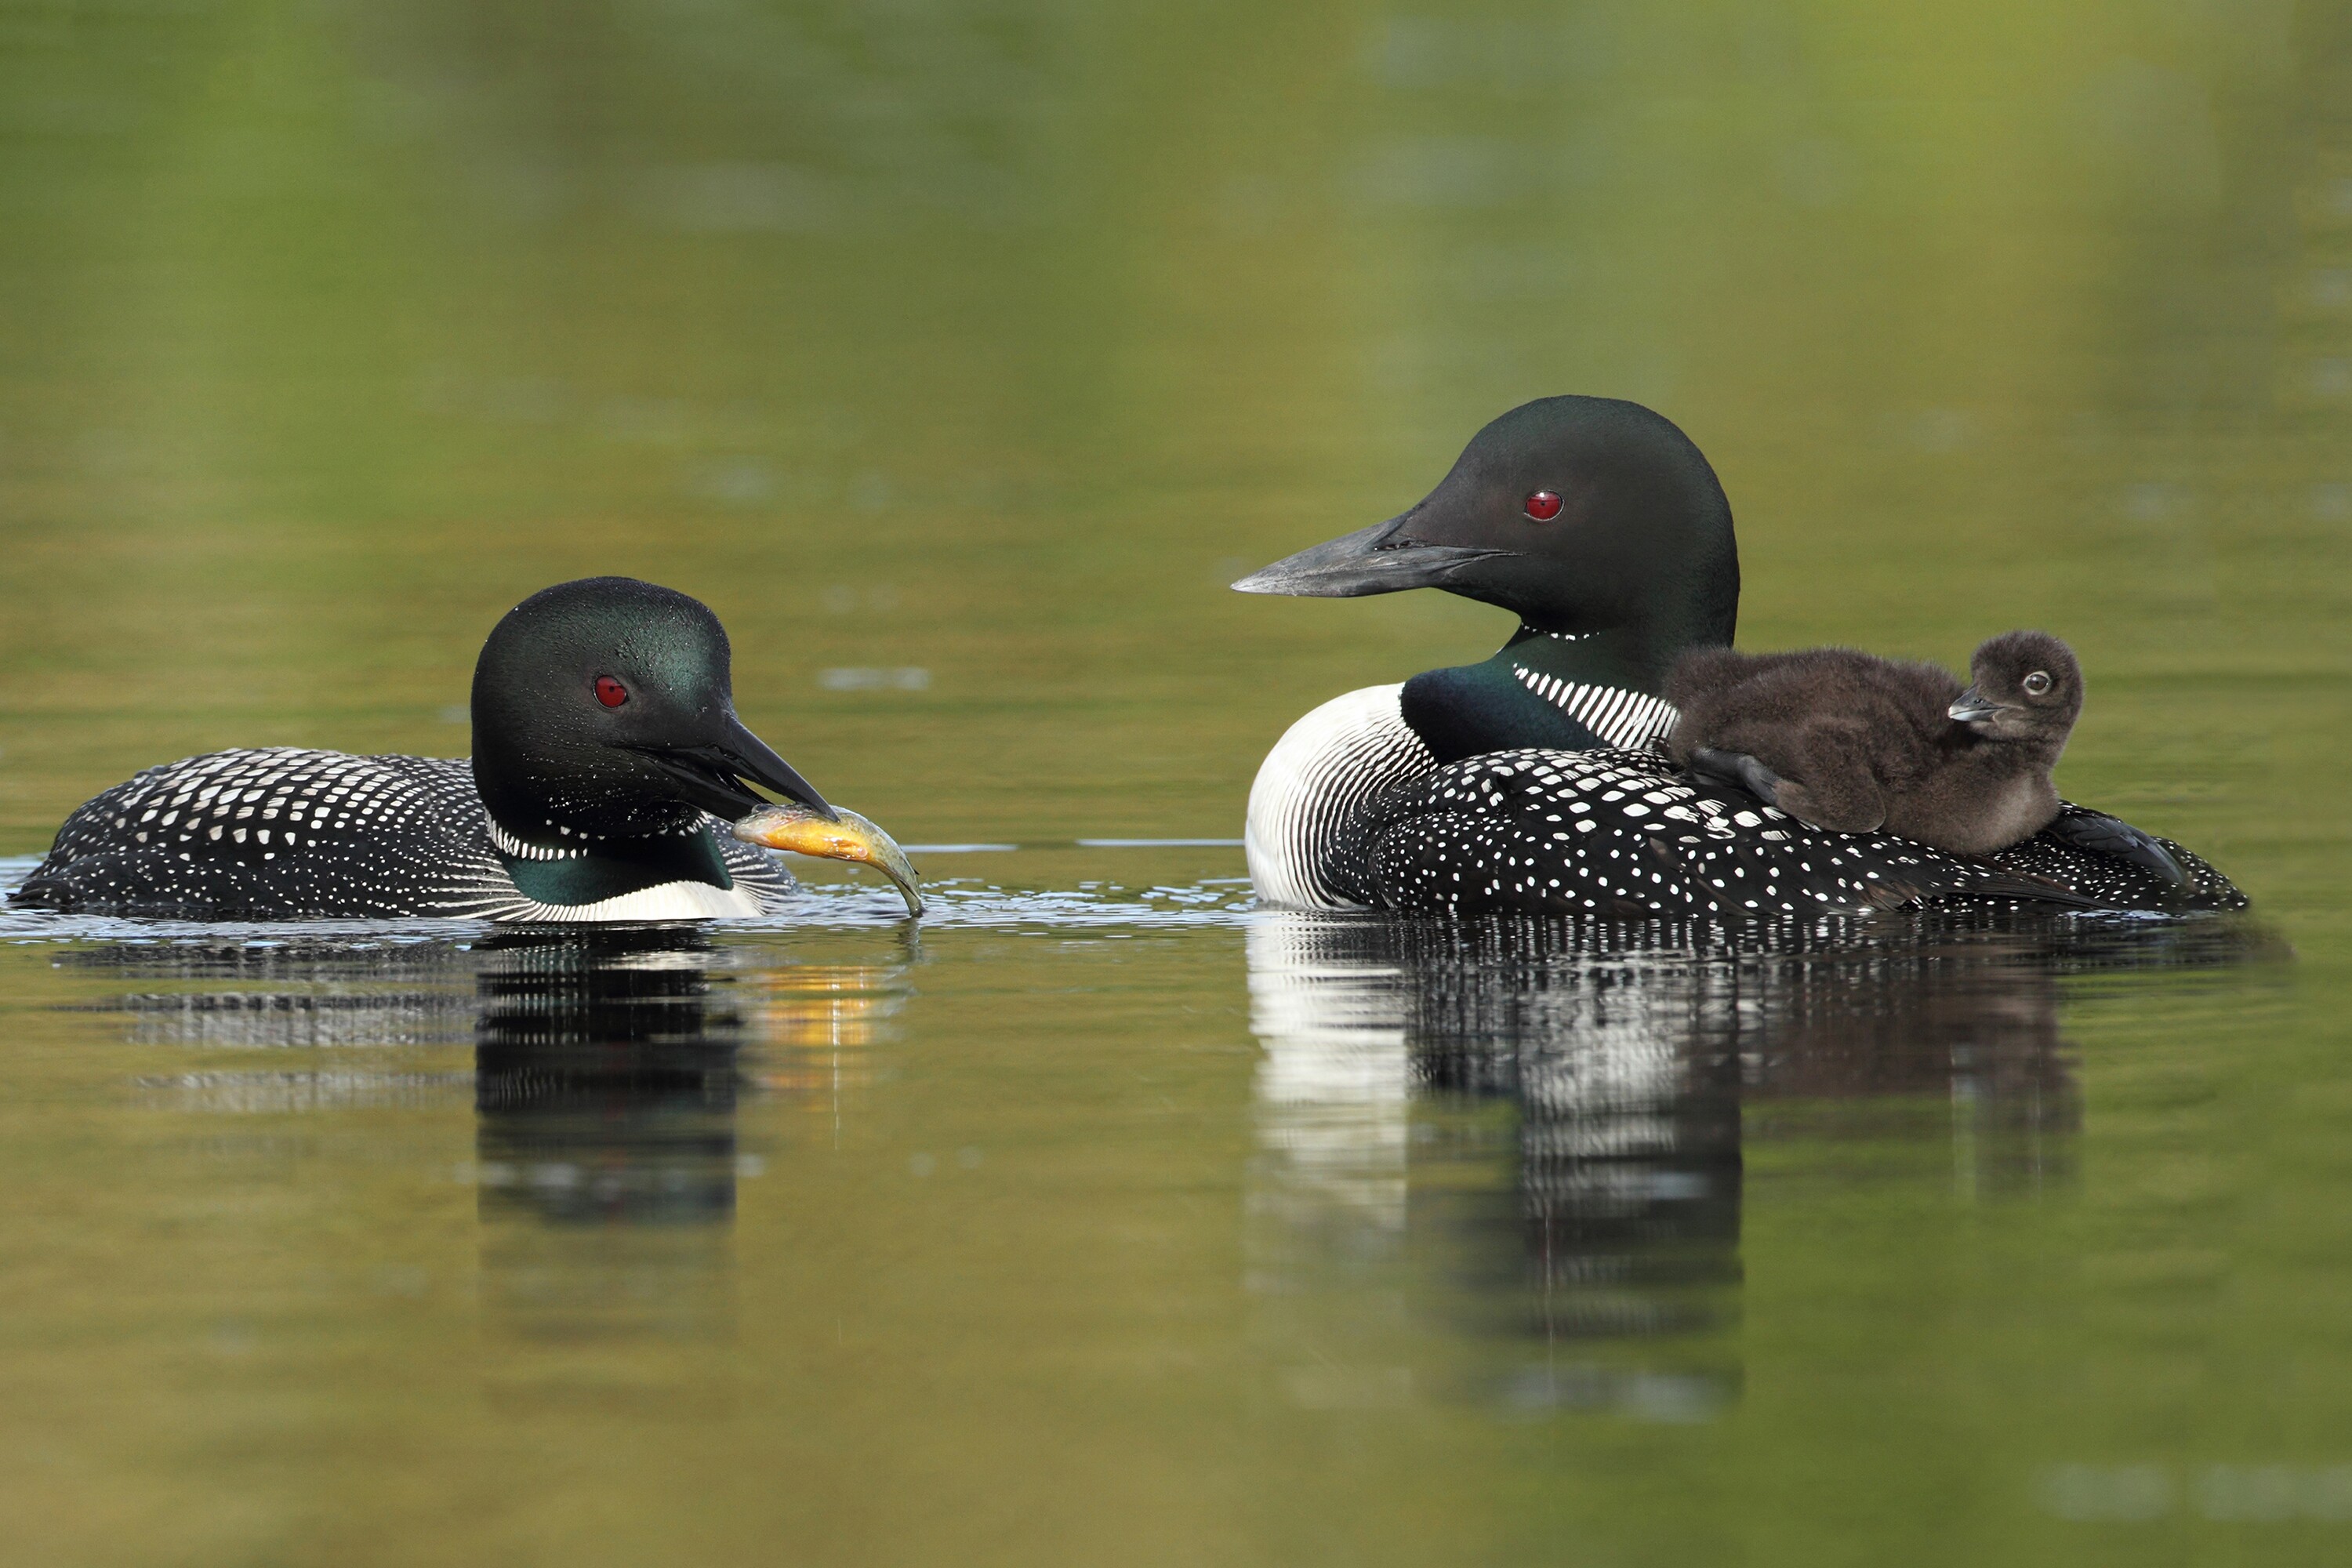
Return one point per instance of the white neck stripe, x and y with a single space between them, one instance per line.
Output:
508 844
1621 718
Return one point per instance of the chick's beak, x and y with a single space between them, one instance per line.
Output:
1972 706
845 836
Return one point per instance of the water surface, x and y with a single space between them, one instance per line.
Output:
958 356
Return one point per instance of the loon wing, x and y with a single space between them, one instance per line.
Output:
1626 833
284 833
276 833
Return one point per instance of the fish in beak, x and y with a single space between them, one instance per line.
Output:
834 834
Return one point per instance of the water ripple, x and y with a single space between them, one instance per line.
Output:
956 902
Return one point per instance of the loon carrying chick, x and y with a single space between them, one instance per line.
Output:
1533 782
1846 739
608 762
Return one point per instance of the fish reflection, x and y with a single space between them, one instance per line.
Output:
1534 1131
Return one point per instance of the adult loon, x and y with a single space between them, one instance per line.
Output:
607 762
1532 781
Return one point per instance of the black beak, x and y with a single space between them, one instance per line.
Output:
711 775
1972 706
1382 559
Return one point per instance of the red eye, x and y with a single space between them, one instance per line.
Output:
1543 506
610 693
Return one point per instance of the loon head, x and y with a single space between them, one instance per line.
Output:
603 708
2023 685
1580 515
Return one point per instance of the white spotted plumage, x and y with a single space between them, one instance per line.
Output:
1605 831
1637 838
281 833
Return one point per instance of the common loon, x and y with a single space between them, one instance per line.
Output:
1534 782
608 765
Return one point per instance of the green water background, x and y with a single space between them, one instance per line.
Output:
987 343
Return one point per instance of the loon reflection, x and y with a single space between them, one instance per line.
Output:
605 1084
326 1010
604 1078
609 1065
1535 1129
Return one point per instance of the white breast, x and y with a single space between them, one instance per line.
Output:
1325 767
663 902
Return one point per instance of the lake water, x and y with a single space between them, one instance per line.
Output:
958 356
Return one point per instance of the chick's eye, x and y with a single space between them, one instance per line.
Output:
1543 506
2037 683
610 693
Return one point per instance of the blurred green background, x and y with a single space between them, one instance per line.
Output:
957 355
990 341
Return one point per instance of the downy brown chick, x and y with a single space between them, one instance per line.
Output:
1847 741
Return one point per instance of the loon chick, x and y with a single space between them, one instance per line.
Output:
1845 740
1531 782
608 763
